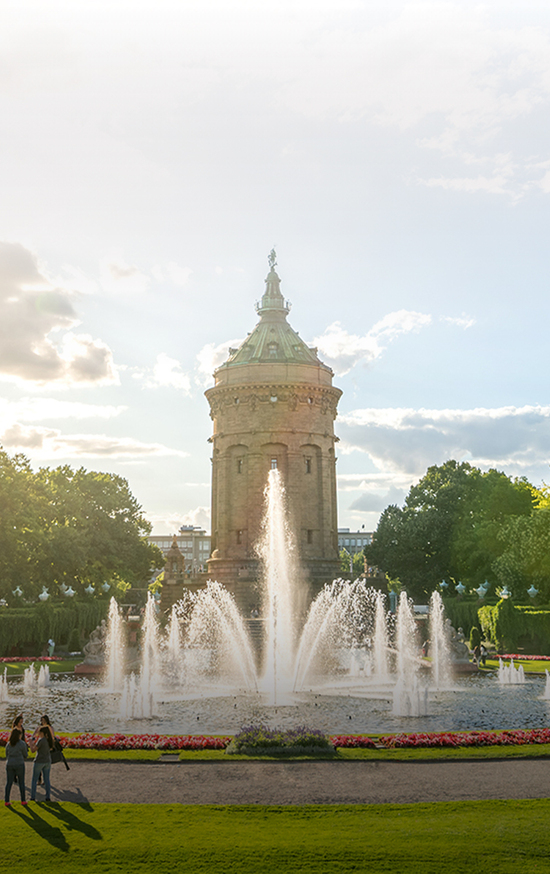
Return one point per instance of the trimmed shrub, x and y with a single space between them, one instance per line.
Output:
463 614
512 627
28 628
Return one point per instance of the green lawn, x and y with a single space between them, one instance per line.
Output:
498 836
56 666
529 666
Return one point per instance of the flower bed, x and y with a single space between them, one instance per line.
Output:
466 738
302 740
352 741
137 742
13 659
524 658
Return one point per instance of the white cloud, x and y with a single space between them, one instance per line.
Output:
172 522
118 277
48 443
43 409
211 356
32 309
174 272
408 441
463 321
167 372
342 351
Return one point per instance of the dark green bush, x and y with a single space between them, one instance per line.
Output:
463 614
27 629
513 627
475 637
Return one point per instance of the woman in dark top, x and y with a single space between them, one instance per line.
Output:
43 761
18 724
44 720
16 753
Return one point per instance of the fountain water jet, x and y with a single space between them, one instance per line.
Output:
439 644
114 649
276 549
216 643
4 686
409 698
29 678
509 675
43 679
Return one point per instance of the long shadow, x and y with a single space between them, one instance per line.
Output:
75 796
73 822
43 829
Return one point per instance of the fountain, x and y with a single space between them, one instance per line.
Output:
114 649
509 675
348 665
348 641
29 678
43 679
546 694
277 549
439 644
4 686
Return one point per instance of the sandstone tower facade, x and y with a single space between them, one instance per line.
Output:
273 405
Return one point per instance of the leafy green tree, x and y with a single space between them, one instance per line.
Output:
449 527
75 527
352 564
525 555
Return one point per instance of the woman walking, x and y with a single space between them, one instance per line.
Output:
16 753
43 761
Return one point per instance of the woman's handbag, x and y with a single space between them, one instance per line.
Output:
57 754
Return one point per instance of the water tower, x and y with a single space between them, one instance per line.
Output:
273 405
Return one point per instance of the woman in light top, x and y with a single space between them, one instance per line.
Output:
16 753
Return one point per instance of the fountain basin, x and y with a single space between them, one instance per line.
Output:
476 702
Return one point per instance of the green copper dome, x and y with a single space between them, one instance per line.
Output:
272 340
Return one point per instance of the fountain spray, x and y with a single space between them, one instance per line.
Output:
276 550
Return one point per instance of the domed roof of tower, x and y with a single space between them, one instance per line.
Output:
273 340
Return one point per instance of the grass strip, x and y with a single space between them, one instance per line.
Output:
56 666
525 751
529 666
501 836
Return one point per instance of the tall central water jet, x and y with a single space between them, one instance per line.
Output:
276 550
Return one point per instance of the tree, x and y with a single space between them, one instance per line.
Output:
449 527
525 556
351 564
75 527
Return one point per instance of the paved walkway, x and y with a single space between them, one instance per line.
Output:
357 782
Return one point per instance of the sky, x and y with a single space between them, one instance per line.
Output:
396 155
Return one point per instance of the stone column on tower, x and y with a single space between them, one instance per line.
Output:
273 405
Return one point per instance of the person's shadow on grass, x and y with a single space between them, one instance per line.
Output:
73 822
75 796
43 829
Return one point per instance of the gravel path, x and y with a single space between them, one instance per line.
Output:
297 783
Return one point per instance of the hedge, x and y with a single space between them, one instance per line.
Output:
463 614
511 627
30 627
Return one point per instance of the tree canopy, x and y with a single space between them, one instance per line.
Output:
456 524
73 527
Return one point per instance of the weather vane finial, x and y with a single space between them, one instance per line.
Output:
272 259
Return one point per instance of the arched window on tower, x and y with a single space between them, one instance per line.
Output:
274 464
272 349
